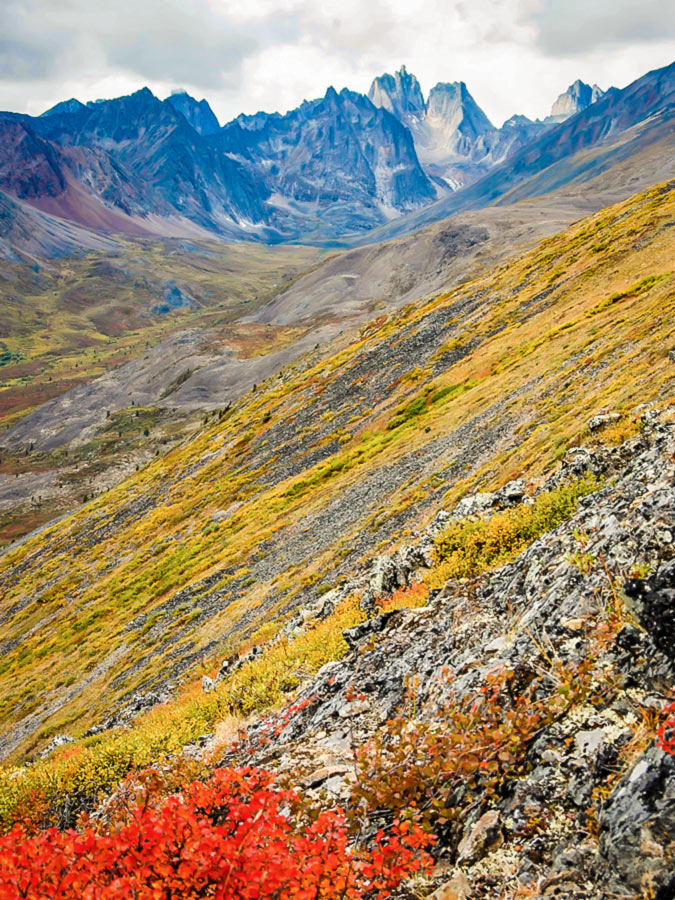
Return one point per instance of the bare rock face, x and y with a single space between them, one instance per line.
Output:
637 848
577 97
484 837
400 94
450 130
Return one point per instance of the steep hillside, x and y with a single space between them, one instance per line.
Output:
179 346
217 544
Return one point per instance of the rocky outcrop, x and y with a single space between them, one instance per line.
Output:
566 825
637 848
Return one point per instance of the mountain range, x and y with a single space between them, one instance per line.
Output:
331 170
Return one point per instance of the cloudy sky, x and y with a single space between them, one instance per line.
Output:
515 55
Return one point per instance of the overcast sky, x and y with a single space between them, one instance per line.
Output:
244 56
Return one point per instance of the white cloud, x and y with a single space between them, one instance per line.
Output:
515 55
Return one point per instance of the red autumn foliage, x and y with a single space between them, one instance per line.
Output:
233 837
665 736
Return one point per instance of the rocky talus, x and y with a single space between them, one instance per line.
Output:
590 810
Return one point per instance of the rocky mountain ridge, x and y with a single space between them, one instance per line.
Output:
197 112
339 160
454 139
625 137
334 168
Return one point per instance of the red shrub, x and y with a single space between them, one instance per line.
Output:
234 836
665 736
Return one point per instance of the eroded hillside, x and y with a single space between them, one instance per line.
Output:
214 546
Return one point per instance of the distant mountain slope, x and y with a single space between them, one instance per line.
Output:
134 156
621 131
281 497
331 170
27 234
138 165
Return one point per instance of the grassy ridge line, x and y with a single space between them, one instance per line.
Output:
84 590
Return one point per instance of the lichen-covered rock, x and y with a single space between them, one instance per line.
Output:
602 420
637 847
483 837
654 601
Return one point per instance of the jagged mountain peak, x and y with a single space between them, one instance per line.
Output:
446 127
197 112
337 157
399 93
576 98
64 107
453 101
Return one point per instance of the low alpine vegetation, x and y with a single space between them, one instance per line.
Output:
234 836
470 547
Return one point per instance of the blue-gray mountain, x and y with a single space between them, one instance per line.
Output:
455 141
331 170
336 165
135 164
577 97
622 143
197 112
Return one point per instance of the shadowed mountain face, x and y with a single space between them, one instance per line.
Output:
333 169
340 161
197 112
138 165
113 164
